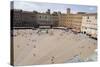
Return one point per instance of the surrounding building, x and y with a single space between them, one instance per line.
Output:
62 20
89 24
28 19
79 22
16 17
23 18
44 19
55 19
74 21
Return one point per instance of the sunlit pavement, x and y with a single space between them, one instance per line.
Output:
48 46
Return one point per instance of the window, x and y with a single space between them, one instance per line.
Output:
96 17
88 17
45 17
85 27
40 16
88 20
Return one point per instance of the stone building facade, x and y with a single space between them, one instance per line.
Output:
23 18
74 21
44 19
56 19
28 19
16 17
62 20
89 24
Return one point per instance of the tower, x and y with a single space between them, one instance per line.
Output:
48 11
68 10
